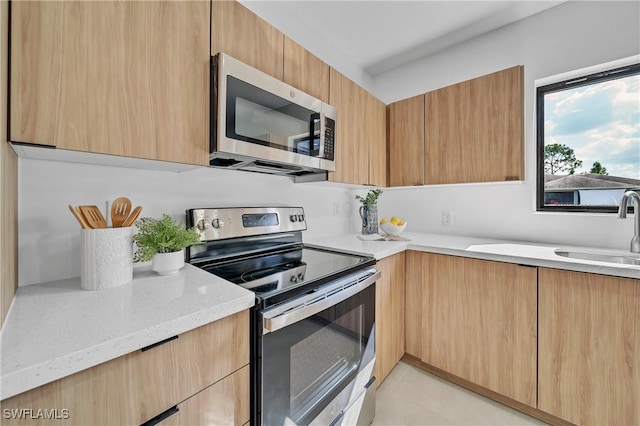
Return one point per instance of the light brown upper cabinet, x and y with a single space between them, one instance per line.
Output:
305 71
474 130
375 134
352 153
361 133
247 37
589 347
468 132
122 78
406 142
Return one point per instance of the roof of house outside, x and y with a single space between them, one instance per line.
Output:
588 181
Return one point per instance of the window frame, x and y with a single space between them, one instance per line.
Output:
541 91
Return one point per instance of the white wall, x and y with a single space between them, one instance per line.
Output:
570 36
49 236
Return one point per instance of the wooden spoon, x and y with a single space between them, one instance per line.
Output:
132 217
120 210
79 217
93 216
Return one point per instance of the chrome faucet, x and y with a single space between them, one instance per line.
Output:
622 214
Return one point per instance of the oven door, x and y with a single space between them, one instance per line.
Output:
318 353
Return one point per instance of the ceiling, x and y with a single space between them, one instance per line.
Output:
377 36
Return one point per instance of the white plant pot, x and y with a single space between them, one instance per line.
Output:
168 263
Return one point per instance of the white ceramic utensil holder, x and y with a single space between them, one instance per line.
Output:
106 258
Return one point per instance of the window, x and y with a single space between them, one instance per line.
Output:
588 150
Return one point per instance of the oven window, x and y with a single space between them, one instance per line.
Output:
324 359
307 364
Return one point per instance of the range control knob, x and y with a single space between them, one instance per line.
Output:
293 218
293 279
201 225
300 218
217 223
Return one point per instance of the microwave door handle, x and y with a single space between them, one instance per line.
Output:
313 152
323 127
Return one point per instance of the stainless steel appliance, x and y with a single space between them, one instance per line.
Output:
313 325
262 124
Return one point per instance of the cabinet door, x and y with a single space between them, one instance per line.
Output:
589 348
406 142
137 387
305 71
247 37
475 130
352 153
390 290
479 323
375 132
8 185
122 78
224 403
415 275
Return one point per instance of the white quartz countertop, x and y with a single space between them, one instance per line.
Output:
56 329
522 252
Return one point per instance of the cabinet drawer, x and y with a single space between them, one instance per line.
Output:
138 386
224 403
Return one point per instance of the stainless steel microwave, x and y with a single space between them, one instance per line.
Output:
261 124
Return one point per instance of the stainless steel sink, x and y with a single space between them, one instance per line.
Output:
620 259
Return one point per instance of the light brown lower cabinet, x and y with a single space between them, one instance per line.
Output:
389 315
589 348
223 403
137 387
478 321
413 303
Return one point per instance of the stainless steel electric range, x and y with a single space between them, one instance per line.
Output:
313 325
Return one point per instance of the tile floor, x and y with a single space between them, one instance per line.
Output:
410 396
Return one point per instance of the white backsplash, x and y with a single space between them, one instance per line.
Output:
49 236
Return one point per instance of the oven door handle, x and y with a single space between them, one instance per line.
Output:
299 309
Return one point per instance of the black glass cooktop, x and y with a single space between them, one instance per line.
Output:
268 275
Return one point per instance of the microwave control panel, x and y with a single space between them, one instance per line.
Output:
329 138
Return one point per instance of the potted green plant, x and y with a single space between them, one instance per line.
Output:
369 211
162 241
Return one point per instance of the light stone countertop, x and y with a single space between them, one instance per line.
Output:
56 329
521 252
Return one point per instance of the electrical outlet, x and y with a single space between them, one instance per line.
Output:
447 218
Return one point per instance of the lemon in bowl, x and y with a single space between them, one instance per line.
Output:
393 226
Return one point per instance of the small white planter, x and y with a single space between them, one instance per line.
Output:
168 263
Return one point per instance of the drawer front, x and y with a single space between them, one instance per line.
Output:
224 403
137 387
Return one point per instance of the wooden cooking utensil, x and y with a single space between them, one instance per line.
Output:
93 217
79 217
132 217
120 210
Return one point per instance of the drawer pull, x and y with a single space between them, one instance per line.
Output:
161 342
160 417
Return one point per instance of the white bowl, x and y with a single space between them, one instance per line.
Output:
391 229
